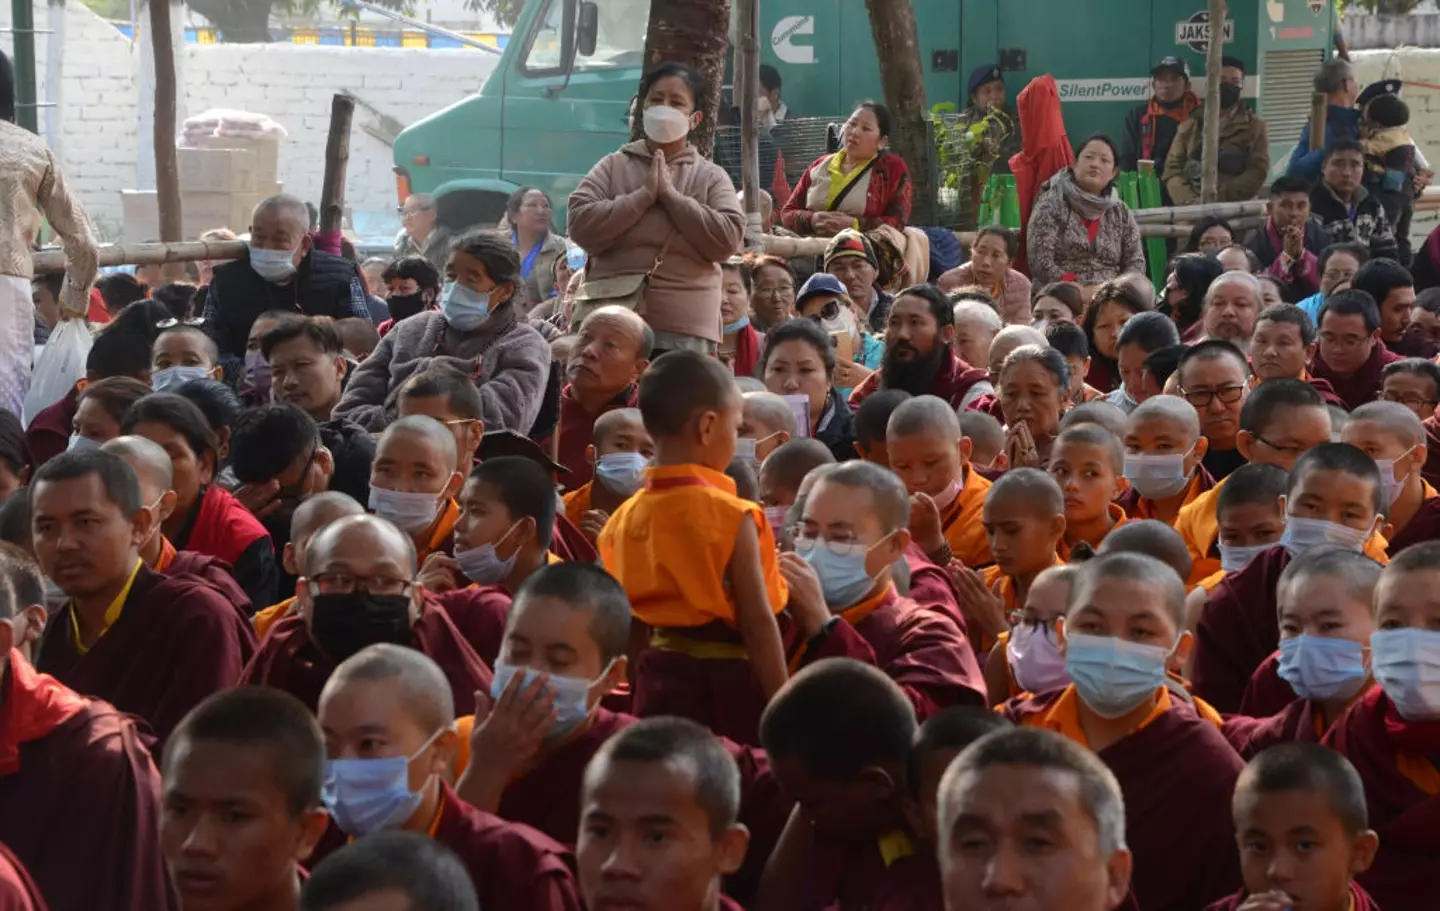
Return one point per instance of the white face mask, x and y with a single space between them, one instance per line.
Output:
411 512
1406 663
170 377
1156 477
272 265
1234 559
1393 485
844 322
1301 534
664 124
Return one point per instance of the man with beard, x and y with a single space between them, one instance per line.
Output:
920 356
1231 305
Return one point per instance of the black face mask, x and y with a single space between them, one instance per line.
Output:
1229 95
343 624
403 305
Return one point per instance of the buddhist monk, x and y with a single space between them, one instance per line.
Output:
1087 462
871 421
568 542
1325 598
180 354
1123 628
1014 789
620 454
450 397
1334 496
414 481
844 601
698 562
1152 538
987 439
1214 377
1390 434
743 472
846 770
1024 521
1101 414
1302 828
357 588
1031 661
932 457
1164 459
768 422
153 470
781 474
76 781
243 773
388 872
1282 347
1280 421
937 742
18 891
1390 734
389 706
310 516
27 622
150 644
503 536
662 775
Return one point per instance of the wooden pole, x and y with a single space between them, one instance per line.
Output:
167 171
337 161
747 86
1174 215
1319 105
52 261
1210 151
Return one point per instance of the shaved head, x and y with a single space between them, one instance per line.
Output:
420 427
679 386
423 688
612 422
985 432
359 534
1101 414
771 411
922 414
1395 418
1130 567
150 463
1031 487
1094 435
320 510
1168 408
1012 337
889 501
1356 573
788 465
1153 538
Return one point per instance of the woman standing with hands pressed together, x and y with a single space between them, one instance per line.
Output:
657 220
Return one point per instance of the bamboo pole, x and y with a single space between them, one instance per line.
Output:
1175 215
1319 110
52 261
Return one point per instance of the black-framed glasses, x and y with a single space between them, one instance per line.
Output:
348 583
1409 401
1201 398
172 322
1283 450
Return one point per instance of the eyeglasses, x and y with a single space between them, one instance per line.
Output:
805 543
1201 398
1412 401
1343 342
1016 617
172 322
348 583
1283 450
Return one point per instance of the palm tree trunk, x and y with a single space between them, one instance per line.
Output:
696 33
902 78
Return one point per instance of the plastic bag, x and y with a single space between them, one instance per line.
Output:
59 367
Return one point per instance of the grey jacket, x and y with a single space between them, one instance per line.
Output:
513 367
1057 242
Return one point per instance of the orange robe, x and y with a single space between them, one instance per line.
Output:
1175 765
577 503
441 536
1117 515
992 574
961 522
1138 507
267 617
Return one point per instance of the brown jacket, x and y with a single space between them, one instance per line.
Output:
1244 142
623 228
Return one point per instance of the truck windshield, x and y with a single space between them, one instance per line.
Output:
621 40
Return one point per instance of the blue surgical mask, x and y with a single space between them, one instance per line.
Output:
1114 676
572 694
81 444
411 512
483 566
841 568
1233 559
272 265
369 795
736 326
463 308
1322 668
1301 534
621 472
1156 477
169 377
1407 666
574 257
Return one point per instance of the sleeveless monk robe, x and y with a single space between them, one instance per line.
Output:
1302 721
440 537
176 641
1176 766
1238 629
290 660
1117 515
264 620
1423 526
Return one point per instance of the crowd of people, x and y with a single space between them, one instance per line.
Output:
614 570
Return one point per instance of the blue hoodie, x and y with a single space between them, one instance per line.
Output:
1340 123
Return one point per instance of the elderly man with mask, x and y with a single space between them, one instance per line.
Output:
1231 306
281 271
1244 146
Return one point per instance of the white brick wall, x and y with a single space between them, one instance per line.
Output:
291 83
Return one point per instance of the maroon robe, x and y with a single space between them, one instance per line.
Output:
512 865
479 613
1176 769
1423 526
989 403
932 587
951 383
570 544
845 874
289 660
1406 872
1237 630
49 433
177 641
213 572
1293 724
18 891
1103 374
910 884
1431 471
1360 387
1266 694
920 649
1327 391
577 431
1360 900
80 798
1413 342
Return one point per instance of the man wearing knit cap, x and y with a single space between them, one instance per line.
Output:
851 258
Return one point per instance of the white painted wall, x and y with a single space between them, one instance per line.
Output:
291 83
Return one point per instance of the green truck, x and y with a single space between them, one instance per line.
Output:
559 98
